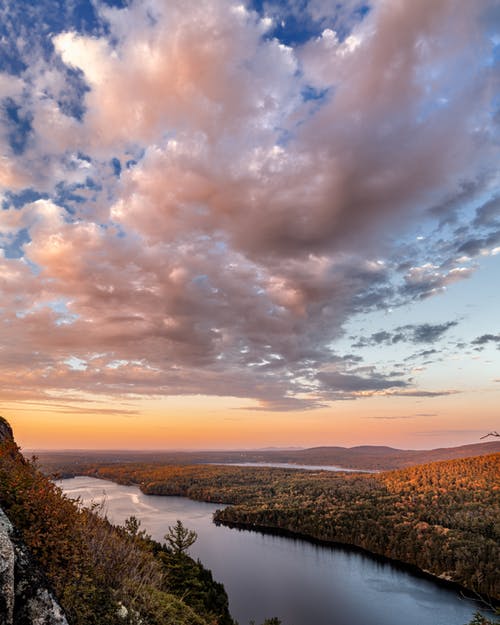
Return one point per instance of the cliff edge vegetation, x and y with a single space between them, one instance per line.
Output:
100 574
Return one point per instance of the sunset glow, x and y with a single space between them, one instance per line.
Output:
232 225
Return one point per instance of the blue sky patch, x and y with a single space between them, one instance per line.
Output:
19 126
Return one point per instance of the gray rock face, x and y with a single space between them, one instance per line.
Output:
7 562
24 597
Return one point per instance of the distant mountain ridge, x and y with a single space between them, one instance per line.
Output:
366 457
382 457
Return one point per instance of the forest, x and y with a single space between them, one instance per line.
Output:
443 517
103 574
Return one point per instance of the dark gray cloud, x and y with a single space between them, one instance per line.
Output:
484 339
411 333
351 383
448 209
474 246
429 333
422 354
382 337
488 215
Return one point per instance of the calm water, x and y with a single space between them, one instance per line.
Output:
301 583
288 465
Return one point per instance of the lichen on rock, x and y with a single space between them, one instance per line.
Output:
24 596
7 558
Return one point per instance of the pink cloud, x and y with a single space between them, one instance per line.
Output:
231 253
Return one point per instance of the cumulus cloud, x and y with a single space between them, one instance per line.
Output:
211 202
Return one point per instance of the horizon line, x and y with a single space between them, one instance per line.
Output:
235 450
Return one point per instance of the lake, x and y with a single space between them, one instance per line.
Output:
289 465
299 582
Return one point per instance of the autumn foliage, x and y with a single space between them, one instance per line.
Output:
102 574
442 517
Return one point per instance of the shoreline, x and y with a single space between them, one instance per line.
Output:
486 603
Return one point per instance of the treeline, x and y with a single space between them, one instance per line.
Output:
216 484
442 517
103 574
364 457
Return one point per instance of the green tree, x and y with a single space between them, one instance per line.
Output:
179 538
132 525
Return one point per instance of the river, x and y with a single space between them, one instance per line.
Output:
299 582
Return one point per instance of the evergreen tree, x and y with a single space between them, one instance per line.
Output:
179 538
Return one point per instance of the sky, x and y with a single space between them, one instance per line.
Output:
241 225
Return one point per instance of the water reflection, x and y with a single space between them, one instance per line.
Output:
266 575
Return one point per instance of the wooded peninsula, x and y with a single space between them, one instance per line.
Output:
442 517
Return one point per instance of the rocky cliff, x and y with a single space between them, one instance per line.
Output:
101 574
24 596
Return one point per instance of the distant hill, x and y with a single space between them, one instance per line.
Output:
367 457
379 457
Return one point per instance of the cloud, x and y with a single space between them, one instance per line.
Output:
353 383
422 354
475 246
484 339
429 279
345 386
196 66
428 333
287 404
200 203
78 410
423 393
391 418
412 333
408 416
488 214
